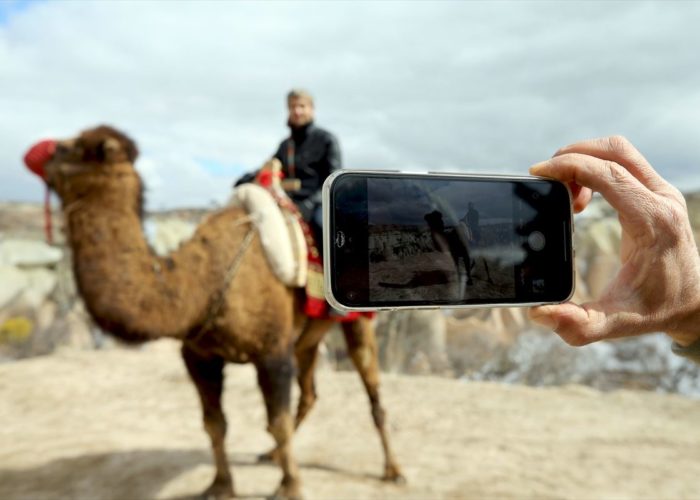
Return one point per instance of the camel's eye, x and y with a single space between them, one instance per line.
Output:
62 149
89 152
78 149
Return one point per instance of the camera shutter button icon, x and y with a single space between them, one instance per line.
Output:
536 240
339 239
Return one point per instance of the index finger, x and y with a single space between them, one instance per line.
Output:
621 151
622 190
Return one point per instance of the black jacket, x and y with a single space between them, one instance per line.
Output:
316 156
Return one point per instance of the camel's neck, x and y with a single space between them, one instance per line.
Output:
129 291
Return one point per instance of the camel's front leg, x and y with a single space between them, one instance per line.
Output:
362 347
275 381
306 353
208 376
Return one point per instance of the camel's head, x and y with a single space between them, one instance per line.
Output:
97 158
435 221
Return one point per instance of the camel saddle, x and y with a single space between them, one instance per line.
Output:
281 233
288 241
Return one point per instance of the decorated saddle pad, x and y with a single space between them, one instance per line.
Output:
280 234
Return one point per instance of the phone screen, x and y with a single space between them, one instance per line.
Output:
409 240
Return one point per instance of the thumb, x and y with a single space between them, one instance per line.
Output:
576 324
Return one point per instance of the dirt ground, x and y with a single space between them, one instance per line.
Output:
438 279
125 424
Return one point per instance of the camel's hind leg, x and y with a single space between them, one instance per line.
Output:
488 274
208 376
275 381
362 347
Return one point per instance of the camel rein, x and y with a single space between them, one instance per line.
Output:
218 302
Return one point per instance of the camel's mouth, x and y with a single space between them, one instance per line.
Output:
49 158
39 155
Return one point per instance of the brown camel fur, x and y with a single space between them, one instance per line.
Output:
216 293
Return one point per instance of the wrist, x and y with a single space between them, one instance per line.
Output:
686 331
691 351
685 323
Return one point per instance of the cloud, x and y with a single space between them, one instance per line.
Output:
461 86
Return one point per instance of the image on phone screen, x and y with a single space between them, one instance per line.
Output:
432 241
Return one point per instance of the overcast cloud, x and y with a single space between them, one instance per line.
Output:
483 87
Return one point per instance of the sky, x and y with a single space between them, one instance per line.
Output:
418 86
386 200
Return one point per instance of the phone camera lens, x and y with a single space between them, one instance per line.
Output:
536 240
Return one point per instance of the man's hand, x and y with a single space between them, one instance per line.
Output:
291 185
658 286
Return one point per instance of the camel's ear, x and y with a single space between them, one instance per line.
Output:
107 150
112 150
111 145
129 148
105 143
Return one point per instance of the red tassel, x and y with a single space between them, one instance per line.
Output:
48 230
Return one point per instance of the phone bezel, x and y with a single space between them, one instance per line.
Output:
328 240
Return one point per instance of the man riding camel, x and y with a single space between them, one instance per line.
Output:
308 156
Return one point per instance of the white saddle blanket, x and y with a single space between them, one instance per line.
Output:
280 234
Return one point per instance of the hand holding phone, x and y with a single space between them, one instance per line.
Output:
658 285
399 240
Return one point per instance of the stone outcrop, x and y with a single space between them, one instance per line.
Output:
39 310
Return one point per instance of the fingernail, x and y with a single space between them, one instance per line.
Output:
536 167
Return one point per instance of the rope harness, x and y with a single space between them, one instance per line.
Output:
218 302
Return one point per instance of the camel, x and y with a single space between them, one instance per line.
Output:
453 242
456 243
216 293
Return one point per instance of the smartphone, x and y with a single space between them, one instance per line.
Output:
403 240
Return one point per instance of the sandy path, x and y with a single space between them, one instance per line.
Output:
126 424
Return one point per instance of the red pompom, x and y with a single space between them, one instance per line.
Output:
38 155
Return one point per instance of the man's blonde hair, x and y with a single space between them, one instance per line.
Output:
300 94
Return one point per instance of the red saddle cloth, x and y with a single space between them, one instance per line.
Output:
315 305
